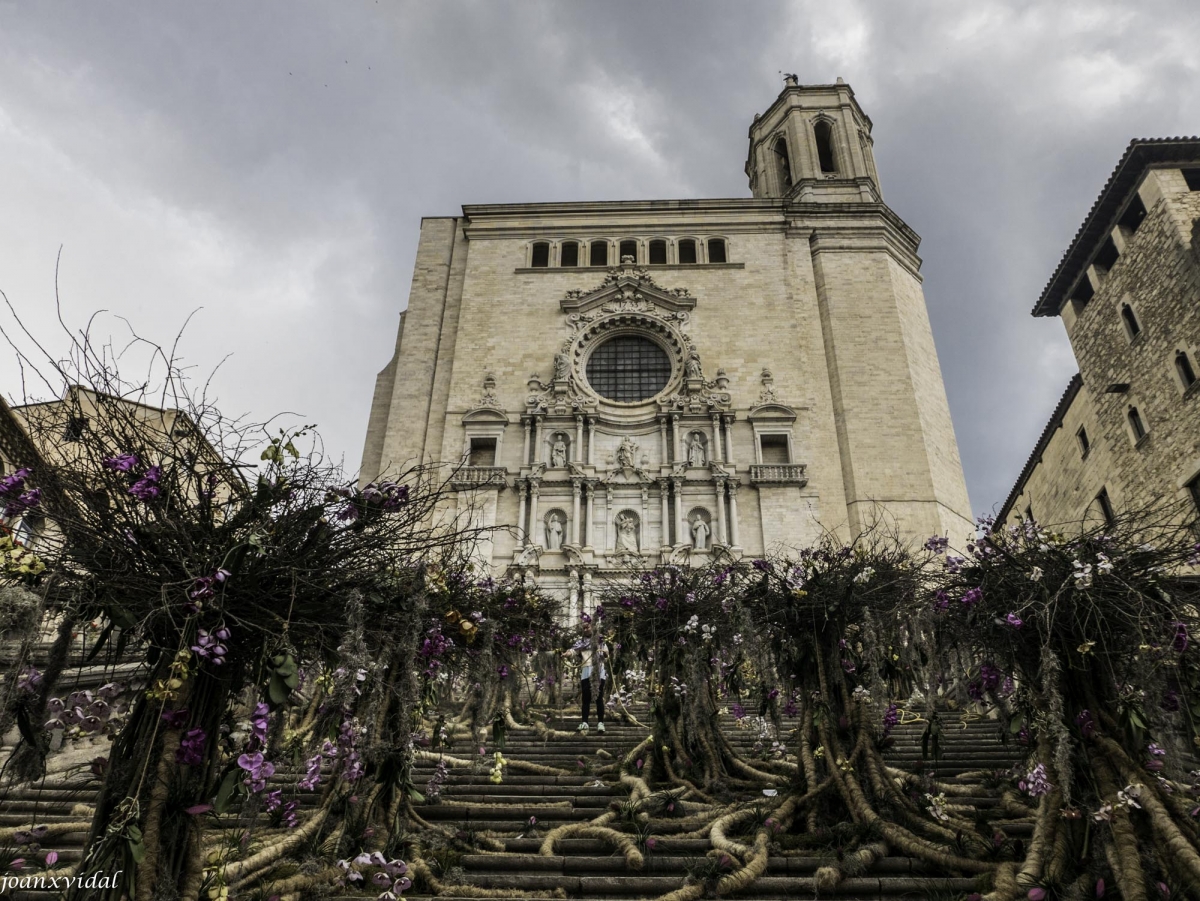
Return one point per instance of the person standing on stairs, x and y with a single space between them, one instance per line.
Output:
593 654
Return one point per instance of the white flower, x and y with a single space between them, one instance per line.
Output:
1103 564
861 695
770 792
692 624
1035 575
864 575
1082 574
1104 814
937 806
1127 797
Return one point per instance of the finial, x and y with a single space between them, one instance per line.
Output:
791 81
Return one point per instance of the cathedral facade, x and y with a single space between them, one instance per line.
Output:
628 383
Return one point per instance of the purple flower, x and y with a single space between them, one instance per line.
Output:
313 774
175 719
890 719
191 748
209 648
937 544
1013 620
12 485
121 462
502 670
738 711
258 770
1179 642
762 565
1035 784
661 603
941 601
1086 724
29 680
972 597
147 488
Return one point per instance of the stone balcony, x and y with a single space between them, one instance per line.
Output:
779 474
468 477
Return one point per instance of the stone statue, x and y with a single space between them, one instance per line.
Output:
699 533
554 532
560 367
696 456
627 453
558 452
627 533
693 366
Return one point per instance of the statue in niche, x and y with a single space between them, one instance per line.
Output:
627 453
627 533
554 532
699 533
696 453
558 452
693 366
560 367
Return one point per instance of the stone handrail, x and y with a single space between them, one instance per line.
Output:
479 477
779 474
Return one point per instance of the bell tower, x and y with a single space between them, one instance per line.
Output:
813 144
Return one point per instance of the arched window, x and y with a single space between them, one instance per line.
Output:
687 251
1132 326
1136 424
628 369
540 258
783 163
658 253
1183 367
823 131
1106 507
628 249
568 254
599 253
716 250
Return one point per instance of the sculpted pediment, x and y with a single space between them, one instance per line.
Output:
627 289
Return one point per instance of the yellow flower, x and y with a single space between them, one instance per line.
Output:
1086 647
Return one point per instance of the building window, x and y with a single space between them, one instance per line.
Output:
716 250
774 449
599 253
783 163
568 254
687 251
628 249
1132 327
1183 369
1029 513
483 452
76 426
1133 215
1193 490
1135 424
540 258
1085 444
658 253
628 369
823 131
1106 507
1192 177
29 529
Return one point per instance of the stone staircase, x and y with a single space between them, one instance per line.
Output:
591 869
525 806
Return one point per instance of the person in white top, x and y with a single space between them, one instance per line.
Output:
593 657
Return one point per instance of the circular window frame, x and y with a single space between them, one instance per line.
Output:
643 324
614 334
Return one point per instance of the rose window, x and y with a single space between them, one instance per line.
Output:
628 369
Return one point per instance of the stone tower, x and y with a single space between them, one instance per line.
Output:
813 145
636 382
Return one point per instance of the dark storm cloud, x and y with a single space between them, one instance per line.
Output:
271 162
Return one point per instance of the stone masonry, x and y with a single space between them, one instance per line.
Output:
1139 249
800 389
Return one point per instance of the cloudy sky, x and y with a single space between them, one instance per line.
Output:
267 164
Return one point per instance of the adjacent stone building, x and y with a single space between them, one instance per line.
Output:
626 383
1126 433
